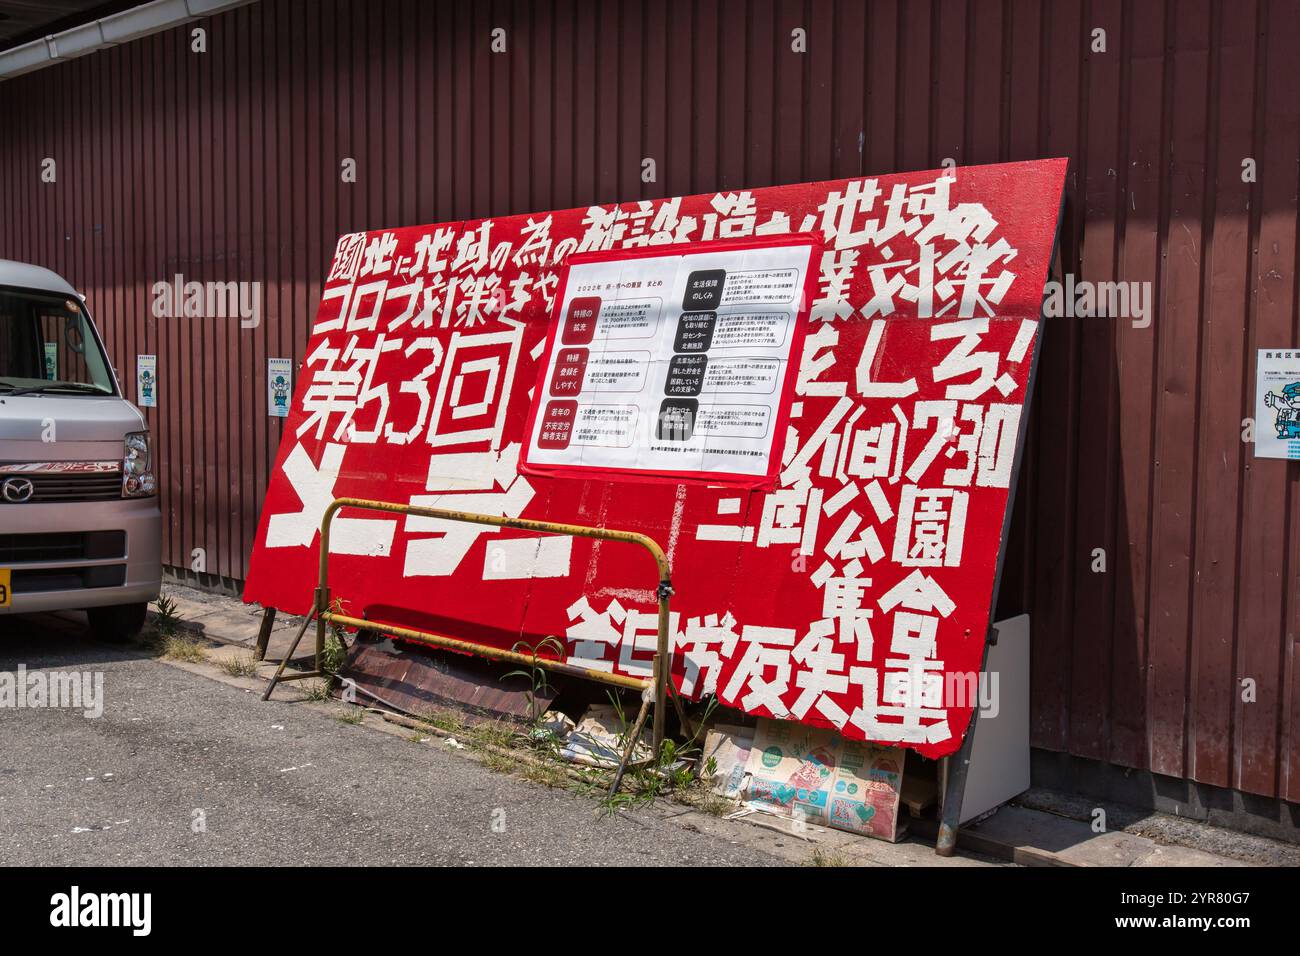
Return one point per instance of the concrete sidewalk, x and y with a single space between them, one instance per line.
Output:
228 620
1027 835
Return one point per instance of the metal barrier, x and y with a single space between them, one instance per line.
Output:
659 680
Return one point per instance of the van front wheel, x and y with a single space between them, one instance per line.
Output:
118 623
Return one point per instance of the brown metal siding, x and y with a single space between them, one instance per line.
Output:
226 166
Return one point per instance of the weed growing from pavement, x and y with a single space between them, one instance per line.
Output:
498 762
241 665
535 673
547 743
546 774
450 721
495 734
166 620
592 782
706 801
823 857
179 648
354 715
666 776
334 654
674 772
166 638
317 690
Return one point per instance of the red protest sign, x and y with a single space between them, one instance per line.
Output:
829 473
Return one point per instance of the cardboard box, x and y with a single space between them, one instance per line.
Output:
729 746
598 739
816 776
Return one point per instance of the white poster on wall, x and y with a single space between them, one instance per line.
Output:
146 380
279 386
1277 404
672 364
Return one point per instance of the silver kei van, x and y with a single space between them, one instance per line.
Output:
80 526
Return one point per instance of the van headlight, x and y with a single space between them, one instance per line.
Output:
137 467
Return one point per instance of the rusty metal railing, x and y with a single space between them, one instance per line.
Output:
662 667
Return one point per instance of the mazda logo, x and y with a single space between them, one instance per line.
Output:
15 490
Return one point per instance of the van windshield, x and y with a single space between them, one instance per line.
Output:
47 344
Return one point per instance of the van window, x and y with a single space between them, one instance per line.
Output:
48 343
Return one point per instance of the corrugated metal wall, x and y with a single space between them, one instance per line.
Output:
225 165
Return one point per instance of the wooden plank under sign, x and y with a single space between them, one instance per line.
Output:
419 683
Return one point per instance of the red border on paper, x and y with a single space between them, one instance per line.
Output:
734 479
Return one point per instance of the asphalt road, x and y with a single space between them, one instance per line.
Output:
182 769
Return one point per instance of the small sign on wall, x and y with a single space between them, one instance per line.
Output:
1277 404
146 380
279 386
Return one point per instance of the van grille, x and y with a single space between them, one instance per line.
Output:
74 487
64 481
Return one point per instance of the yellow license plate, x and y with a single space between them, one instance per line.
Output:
6 590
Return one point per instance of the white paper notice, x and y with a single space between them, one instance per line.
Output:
279 386
146 381
672 364
1277 403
